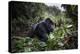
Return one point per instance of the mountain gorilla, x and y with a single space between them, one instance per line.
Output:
43 29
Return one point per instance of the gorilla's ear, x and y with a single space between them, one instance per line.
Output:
49 20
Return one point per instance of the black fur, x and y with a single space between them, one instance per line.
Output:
43 29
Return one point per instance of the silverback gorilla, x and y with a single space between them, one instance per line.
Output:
43 29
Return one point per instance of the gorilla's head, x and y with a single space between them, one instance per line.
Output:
48 20
50 23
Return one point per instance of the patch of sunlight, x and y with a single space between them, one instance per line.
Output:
27 49
61 44
62 37
51 36
69 26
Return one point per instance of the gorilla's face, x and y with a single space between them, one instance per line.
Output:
50 24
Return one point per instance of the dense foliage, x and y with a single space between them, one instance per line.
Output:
23 15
